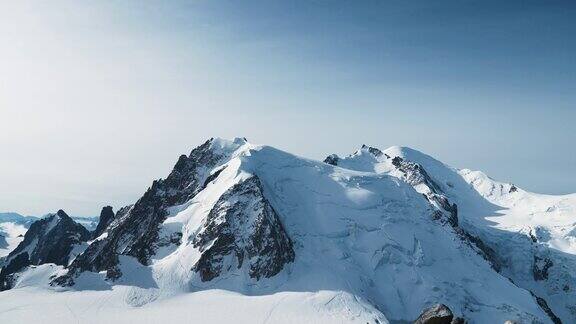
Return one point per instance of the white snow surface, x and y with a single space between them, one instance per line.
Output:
367 251
515 223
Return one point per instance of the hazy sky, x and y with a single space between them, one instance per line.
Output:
98 98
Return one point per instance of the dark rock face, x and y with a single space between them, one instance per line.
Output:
18 263
332 159
544 305
374 151
414 174
540 268
437 314
3 242
106 217
135 229
242 227
49 240
212 177
483 249
451 209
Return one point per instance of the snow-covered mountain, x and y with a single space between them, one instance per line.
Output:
524 234
13 226
248 233
53 239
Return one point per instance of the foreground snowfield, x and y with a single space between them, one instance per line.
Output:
33 299
369 248
28 305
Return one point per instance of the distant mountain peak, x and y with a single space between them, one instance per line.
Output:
49 240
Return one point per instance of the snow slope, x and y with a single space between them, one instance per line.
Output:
256 234
532 235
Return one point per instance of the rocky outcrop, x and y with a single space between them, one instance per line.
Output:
49 240
374 151
544 305
135 229
540 268
447 212
3 242
415 175
212 177
436 314
482 248
332 159
243 231
106 217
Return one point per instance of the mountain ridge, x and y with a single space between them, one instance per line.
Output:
387 227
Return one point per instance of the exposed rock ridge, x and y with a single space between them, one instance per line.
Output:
540 267
3 242
447 212
436 314
544 305
135 231
332 159
243 230
372 150
106 218
416 175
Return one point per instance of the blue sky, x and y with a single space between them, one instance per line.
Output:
99 98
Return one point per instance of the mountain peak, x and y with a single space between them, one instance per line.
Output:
62 214
224 143
106 217
372 150
49 240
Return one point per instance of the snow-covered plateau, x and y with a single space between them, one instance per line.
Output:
248 233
